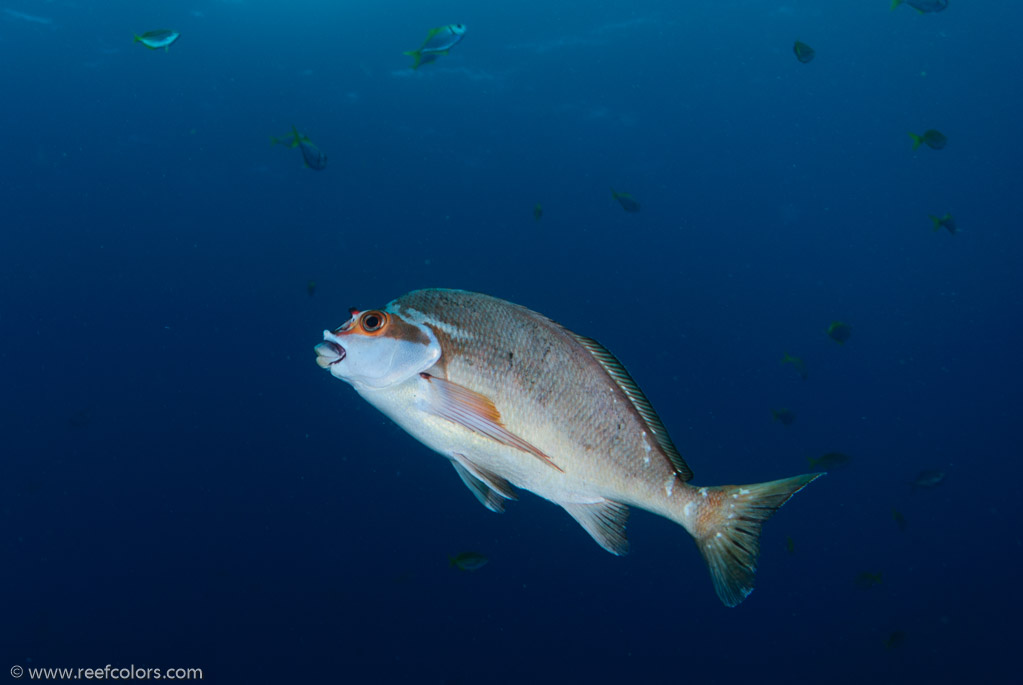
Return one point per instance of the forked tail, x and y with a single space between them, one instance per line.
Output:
727 530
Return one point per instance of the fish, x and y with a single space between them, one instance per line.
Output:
154 40
537 212
514 400
830 460
935 140
866 580
312 156
798 364
626 201
944 222
804 53
896 639
928 478
438 42
899 519
785 417
839 332
310 288
790 545
468 561
922 6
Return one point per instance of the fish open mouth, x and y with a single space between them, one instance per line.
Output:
329 353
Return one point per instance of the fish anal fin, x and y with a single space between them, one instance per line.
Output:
624 381
489 488
605 521
478 413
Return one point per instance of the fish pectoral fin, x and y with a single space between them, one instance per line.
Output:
476 412
604 521
489 488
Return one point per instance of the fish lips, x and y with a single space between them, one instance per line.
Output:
329 353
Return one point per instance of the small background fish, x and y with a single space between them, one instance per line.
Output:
626 200
312 157
839 332
155 40
468 561
439 41
922 6
786 417
933 139
804 53
928 478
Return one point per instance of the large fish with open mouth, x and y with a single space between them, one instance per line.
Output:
513 399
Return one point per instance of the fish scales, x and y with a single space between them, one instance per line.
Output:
549 388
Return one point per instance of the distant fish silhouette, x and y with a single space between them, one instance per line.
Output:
804 53
311 155
928 478
468 561
899 519
626 201
839 332
797 364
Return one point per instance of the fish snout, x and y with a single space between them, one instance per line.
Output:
329 352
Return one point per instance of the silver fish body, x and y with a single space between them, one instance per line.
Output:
513 399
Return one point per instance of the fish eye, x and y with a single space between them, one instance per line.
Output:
373 321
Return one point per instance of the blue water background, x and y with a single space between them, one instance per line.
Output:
180 484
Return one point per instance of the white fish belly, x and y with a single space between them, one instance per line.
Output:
661 492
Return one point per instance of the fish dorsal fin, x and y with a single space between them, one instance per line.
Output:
476 412
490 489
653 422
605 521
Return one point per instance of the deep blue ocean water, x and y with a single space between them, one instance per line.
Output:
181 486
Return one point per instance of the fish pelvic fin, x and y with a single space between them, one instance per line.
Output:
490 489
727 528
917 140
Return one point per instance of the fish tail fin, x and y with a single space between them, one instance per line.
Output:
138 38
417 57
727 530
936 221
916 140
896 3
